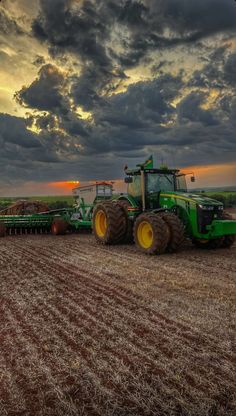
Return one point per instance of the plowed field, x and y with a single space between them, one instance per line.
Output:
93 330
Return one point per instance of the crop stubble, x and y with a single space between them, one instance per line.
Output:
93 330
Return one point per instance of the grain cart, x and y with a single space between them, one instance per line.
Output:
87 197
159 212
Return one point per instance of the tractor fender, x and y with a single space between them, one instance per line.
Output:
132 202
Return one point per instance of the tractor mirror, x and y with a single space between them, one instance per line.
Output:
128 179
193 179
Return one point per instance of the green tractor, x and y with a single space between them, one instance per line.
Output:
158 213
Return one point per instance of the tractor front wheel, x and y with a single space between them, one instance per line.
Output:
109 223
228 240
2 229
151 233
209 244
59 226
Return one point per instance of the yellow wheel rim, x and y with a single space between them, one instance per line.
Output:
145 234
100 223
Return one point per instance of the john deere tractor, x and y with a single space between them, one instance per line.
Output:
158 213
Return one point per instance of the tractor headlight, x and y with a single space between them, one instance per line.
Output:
206 207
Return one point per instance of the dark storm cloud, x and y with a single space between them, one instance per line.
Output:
13 130
230 70
142 104
105 38
45 122
109 36
189 109
169 23
78 29
219 71
193 20
26 155
85 29
141 118
46 92
21 150
89 89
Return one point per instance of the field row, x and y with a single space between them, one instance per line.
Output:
90 330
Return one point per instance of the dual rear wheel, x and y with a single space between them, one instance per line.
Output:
109 223
153 233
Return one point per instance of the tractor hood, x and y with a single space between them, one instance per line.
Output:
198 199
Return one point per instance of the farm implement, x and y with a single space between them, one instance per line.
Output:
157 213
17 219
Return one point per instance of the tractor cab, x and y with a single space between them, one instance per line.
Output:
145 185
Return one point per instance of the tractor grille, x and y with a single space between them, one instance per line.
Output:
205 217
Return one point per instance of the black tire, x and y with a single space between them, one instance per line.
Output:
59 226
176 231
2 229
124 204
115 228
228 240
159 230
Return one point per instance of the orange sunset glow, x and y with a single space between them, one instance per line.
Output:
63 186
215 175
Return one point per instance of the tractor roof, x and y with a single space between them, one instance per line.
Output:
137 171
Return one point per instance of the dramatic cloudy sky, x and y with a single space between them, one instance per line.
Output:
89 85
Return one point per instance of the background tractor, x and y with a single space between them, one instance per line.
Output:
158 213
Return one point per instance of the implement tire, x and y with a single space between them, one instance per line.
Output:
2 229
176 230
228 240
151 233
109 223
59 226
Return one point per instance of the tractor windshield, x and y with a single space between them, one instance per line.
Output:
157 182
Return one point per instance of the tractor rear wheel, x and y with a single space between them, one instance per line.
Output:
228 240
59 226
176 230
151 233
124 204
2 229
109 223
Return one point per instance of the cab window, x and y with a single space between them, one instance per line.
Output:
134 188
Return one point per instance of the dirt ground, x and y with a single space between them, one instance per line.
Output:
93 330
